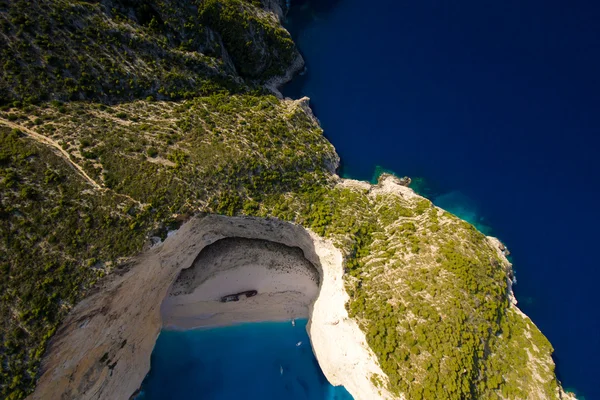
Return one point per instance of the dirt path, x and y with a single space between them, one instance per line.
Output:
63 154
47 141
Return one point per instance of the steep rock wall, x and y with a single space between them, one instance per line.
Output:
102 351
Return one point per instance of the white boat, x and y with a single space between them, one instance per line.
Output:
299 344
280 370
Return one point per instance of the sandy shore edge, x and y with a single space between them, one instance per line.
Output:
286 284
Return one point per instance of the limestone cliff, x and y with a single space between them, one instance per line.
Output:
121 120
108 337
103 350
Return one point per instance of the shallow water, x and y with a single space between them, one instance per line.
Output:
253 361
496 105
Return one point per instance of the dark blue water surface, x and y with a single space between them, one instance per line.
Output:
497 105
255 361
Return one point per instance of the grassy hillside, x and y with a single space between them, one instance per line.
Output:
151 164
113 50
119 119
430 292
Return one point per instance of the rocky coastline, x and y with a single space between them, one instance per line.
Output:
400 294
103 349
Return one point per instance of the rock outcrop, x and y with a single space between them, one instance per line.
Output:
102 351
412 301
369 293
281 282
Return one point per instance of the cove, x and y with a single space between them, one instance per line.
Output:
263 360
496 105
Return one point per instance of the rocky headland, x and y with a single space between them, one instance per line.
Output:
103 349
147 172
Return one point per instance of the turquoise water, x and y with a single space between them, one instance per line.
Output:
253 361
454 201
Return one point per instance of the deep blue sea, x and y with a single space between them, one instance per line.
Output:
253 361
496 106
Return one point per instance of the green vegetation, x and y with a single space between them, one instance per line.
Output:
431 294
55 243
71 71
428 289
178 157
259 46
217 153
114 50
159 103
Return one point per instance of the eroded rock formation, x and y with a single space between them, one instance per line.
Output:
102 351
283 284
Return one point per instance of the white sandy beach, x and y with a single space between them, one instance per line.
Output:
158 290
285 281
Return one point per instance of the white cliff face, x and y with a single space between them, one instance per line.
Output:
338 343
103 348
102 351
